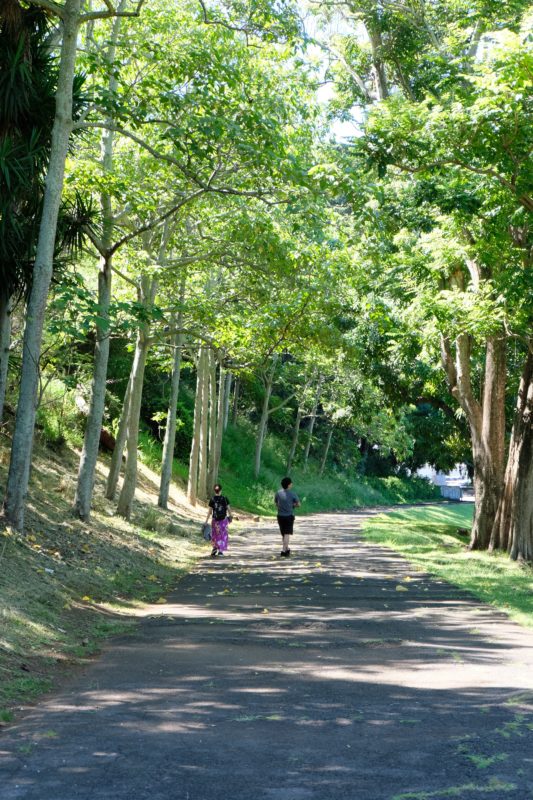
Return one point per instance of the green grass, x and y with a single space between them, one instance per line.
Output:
428 538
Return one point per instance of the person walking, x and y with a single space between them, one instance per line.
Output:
220 511
286 501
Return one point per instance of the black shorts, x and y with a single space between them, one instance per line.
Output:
286 525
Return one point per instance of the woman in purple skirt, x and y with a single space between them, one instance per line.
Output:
220 511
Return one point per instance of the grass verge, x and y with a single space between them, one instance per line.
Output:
428 537
66 585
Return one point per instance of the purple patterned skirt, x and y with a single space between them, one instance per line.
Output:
219 534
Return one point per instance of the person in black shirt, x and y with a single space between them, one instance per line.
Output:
220 511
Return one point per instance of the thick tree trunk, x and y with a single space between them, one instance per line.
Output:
192 488
5 343
89 455
513 526
125 500
313 421
487 426
326 451
227 394
170 431
120 443
203 455
489 445
19 468
294 442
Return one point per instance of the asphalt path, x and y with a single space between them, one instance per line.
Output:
341 673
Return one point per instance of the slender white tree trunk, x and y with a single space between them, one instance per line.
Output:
127 493
294 442
170 431
221 410
263 422
120 444
227 394
204 431
19 468
89 455
313 421
192 488
236 393
5 343
212 419
326 451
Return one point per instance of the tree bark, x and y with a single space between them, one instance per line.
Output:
326 451
294 442
120 443
313 421
192 487
170 431
513 526
378 65
21 451
5 343
125 501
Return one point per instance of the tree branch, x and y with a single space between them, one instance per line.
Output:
49 5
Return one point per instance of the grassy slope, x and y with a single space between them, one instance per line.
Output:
66 585
429 538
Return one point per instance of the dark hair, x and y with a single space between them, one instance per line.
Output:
217 487
286 482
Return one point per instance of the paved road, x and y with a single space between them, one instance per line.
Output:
316 678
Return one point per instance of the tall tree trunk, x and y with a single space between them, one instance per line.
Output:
170 431
120 443
294 442
326 451
513 526
236 393
378 65
212 425
227 394
313 421
89 455
21 451
263 422
221 411
5 343
125 500
487 426
192 487
203 455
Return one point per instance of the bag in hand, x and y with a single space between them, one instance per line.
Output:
206 531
